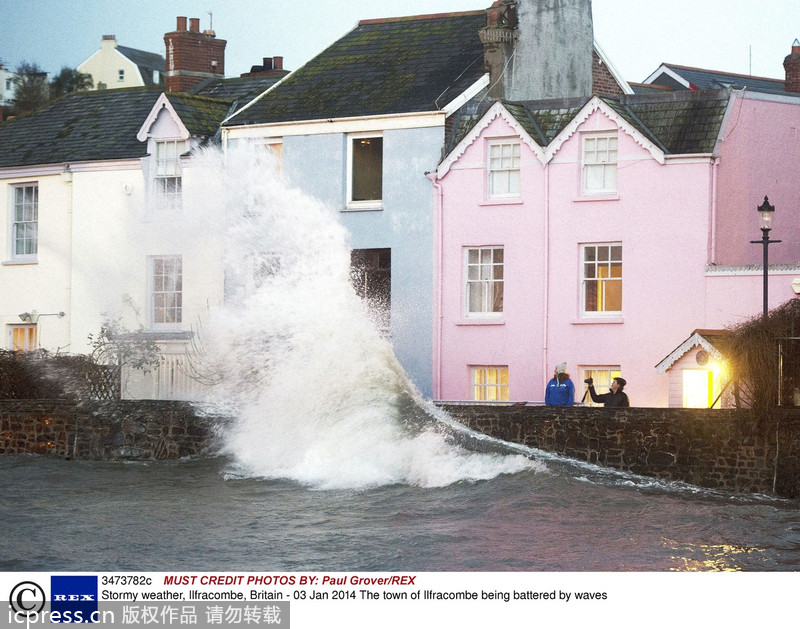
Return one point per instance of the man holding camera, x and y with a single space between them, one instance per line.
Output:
616 398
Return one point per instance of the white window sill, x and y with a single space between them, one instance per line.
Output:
19 261
502 201
370 208
482 321
594 320
596 196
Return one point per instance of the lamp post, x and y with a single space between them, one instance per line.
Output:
765 212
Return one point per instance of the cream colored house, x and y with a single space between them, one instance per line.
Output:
115 66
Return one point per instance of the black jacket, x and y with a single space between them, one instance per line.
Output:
610 399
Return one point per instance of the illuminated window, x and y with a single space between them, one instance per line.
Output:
22 338
602 279
365 166
168 182
504 174
485 285
25 221
602 380
600 163
490 384
166 279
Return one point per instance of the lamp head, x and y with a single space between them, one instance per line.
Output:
765 213
25 316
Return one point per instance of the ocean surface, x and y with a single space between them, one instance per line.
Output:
197 515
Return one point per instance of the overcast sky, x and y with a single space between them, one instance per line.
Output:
740 36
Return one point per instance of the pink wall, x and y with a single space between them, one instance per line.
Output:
661 215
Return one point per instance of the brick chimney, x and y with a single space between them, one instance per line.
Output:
499 37
270 66
792 66
192 56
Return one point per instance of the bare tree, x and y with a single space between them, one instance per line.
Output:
32 90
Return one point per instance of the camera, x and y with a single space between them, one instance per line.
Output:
589 381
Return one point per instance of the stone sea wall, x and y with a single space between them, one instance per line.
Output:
722 449
126 429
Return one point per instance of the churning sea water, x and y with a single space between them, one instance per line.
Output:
334 462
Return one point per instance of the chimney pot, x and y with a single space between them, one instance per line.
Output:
181 23
267 64
194 24
277 63
792 66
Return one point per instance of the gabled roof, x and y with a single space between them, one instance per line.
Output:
82 126
676 123
709 340
240 89
194 116
687 78
396 65
148 62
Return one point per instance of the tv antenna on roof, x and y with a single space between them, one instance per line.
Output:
210 20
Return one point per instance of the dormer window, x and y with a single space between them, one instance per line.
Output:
504 169
600 163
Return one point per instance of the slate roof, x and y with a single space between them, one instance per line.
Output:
241 89
712 80
148 63
98 125
678 123
395 65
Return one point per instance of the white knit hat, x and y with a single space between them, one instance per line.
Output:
561 368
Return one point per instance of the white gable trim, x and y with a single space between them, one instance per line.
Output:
671 74
612 69
693 341
592 106
466 95
162 103
495 111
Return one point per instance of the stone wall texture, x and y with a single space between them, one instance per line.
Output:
722 449
126 429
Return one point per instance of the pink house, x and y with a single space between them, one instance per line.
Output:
607 232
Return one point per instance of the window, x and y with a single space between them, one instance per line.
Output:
602 377
600 163
168 173
371 275
25 221
490 384
365 181
166 278
602 278
120 75
504 176
22 338
485 281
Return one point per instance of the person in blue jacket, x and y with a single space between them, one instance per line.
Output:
560 390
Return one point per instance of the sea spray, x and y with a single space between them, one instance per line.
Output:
320 396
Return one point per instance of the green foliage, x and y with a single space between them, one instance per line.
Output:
70 80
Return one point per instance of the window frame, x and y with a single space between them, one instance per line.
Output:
33 334
598 262
501 385
364 204
507 171
606 165
16 255
153 294
168 200
487 311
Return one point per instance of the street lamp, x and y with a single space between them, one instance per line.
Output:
765 213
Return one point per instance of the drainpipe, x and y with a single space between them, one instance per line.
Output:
546 266
713 212
67 177
438 315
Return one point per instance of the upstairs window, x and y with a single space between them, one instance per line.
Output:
504 173
120 75
365 165
602 279
168 183
600 163
166 298
25 222
485 286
